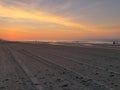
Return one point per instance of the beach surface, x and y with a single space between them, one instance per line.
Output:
42 66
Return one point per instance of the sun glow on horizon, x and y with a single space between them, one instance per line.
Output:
35 22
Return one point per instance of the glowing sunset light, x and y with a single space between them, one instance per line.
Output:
39 20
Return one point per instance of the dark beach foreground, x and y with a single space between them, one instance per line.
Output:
26 66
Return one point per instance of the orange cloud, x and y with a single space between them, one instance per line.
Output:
38 15
17 32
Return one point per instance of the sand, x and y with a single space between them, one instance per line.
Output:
25 66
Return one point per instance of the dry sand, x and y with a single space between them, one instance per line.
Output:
59 67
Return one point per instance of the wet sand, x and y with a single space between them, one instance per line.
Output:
25 66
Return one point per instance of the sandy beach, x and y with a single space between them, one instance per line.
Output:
25 66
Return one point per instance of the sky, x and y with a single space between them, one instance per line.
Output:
59 19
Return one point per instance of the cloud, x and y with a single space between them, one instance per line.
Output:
83 16
41 16
81 12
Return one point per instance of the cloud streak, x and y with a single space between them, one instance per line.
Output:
17 13
80 17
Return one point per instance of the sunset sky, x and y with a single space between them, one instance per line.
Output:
59 19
